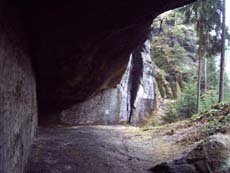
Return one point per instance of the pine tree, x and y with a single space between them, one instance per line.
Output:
205 14
223 37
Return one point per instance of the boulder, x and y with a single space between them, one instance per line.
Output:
211 156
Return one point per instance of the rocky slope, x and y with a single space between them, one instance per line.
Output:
173 52
213 153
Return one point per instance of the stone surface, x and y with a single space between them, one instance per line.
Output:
111 106
101 109
142 86
18 106
215 154
82 47
132 101
172 168
104 149
210 156
173 53
78 49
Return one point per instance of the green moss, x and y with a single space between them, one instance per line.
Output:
179 31
217 118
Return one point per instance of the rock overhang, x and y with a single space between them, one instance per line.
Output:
82 47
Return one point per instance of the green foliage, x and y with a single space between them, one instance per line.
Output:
168 49
168 58
208 99
169 53
227 92
206 17
217 118
185 105
172 114
212 74
179 31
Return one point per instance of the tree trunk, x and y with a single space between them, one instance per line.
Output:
199 80
199 28
200 55
223 37
205 76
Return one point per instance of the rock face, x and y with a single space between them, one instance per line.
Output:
210 156
18 106
132 101
82 47
142 87
77 48
173 53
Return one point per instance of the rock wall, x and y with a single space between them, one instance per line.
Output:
110 106
18 108
143 97
82 47
132 101
173 52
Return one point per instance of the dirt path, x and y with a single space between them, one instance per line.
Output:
105 149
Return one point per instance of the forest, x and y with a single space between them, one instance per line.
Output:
189 48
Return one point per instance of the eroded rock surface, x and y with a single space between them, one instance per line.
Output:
210 156
173 53
132 101
78 49
142 91
82 47
18 104
105 149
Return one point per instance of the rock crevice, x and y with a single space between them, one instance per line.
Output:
132 101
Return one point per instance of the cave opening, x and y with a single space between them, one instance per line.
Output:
80 75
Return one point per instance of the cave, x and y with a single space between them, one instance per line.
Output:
58 54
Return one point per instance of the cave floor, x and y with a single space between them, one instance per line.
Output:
107 149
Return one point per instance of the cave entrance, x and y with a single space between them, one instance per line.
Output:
144 86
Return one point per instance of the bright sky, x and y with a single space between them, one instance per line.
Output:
228 12
227 53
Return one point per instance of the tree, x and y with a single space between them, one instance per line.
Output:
200 29
223 37
205 14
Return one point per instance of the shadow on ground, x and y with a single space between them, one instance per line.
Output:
105 149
